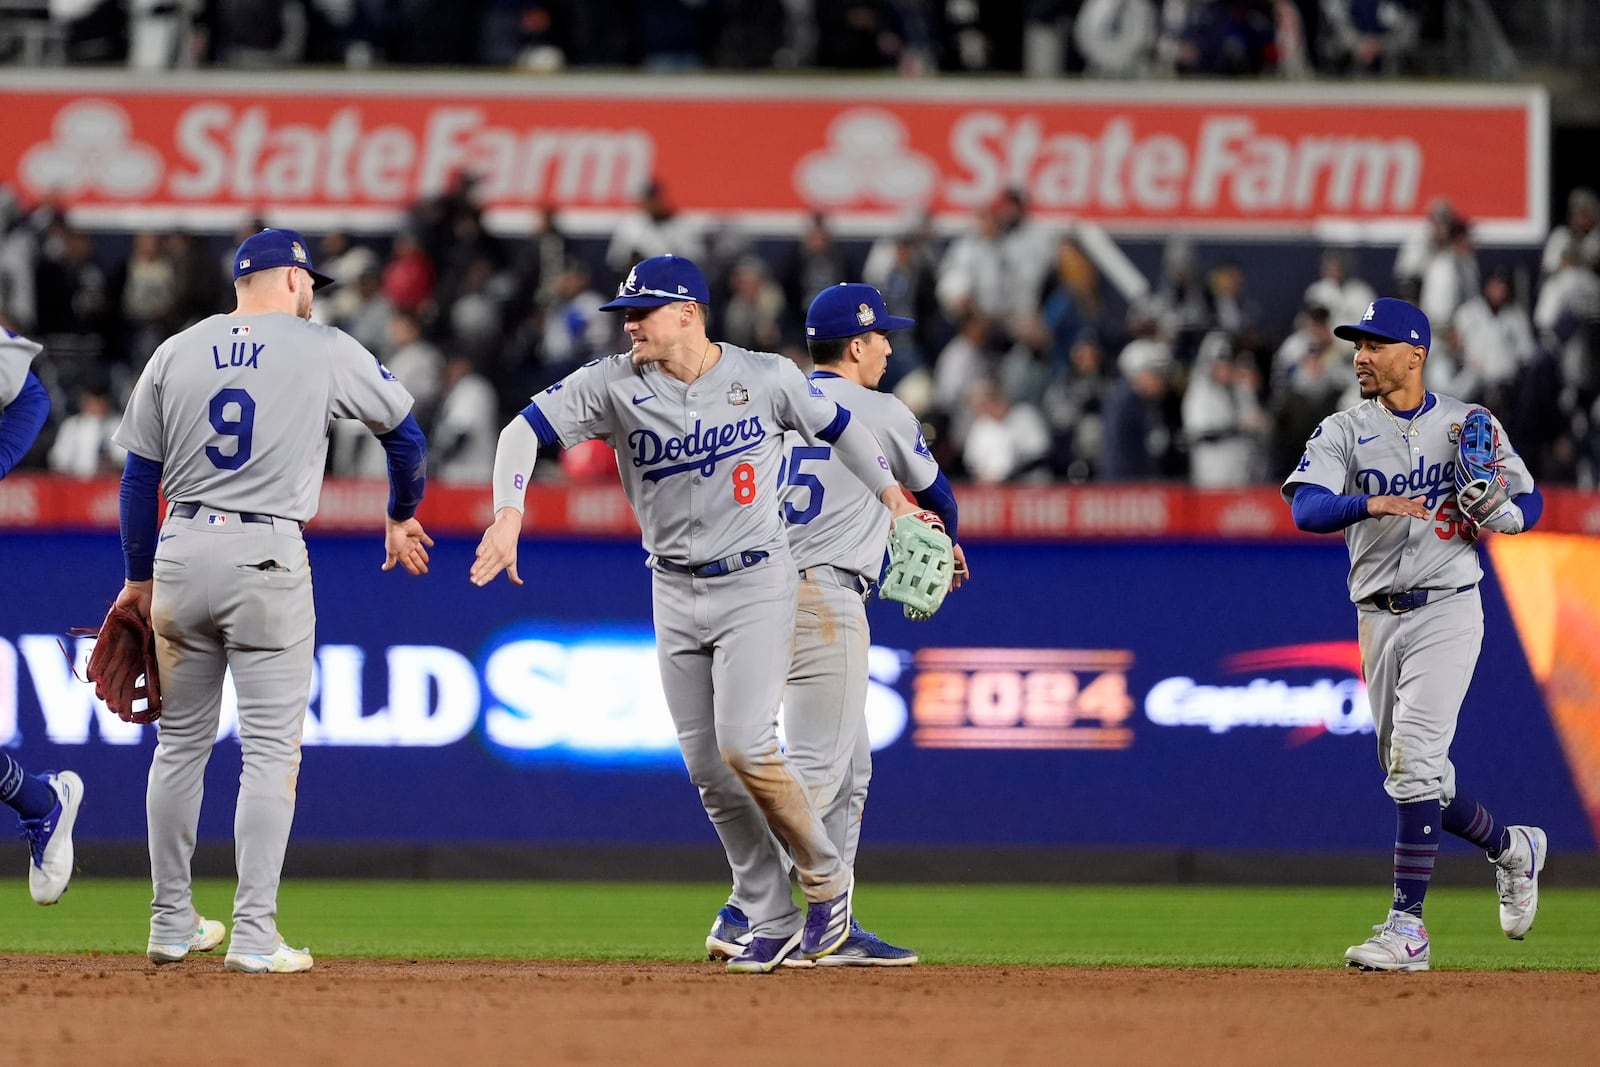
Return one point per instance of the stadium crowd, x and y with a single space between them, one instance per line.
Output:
1026 363
1109 38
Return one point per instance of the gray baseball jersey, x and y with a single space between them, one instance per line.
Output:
698 461
832 518
16 355
1417 663
236 408
1366 450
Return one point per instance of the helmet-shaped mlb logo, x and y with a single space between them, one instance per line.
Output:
244 264
865 315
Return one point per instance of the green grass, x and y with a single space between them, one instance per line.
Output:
983 924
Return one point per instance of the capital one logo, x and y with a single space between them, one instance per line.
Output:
867 160
91 151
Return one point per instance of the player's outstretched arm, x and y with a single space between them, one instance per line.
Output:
497 551
405 542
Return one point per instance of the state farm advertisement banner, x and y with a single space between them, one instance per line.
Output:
357 150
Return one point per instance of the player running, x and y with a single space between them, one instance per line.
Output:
47 804
230 418
836 533
698 428
1384 472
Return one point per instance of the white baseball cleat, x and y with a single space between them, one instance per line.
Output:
1400 943
50 840
281 960
208 934
1516 876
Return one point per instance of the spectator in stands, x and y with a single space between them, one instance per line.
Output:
409 277
161 34
1223 424
19 254
531 34
1137 435
1117 38
475 316
574 329
858 34
83 447
1179 300
902 267
74 307
818 263
1310 372
1005 441
999 269
961 364
1229 307
752 317
1496 340
198 286
1451 276
255 33
1222 37
416 361
463 435
1583 214
363 311
1366 37
1566 317
1073 405
655 229
1419 248
149 297
1344 296
758 35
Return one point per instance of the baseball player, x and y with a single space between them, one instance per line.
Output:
47 804
1384 473
836 535
698 429
231 418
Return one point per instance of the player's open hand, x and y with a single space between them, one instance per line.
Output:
1415 507
407 544
498 550
960 572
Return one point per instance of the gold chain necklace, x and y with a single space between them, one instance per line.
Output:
1408 430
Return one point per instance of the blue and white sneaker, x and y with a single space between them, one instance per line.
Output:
827 924
766 954
730 933
863 948
207 935
730 936
50 840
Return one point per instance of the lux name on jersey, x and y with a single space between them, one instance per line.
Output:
709 446
1436 480
240 354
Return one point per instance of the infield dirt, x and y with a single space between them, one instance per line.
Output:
101 1011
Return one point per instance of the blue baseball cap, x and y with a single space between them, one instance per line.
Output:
661 280
1392 320
848 309
276 248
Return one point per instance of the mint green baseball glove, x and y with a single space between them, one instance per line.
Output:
921 563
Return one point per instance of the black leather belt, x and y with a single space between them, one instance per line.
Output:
189 511
716 568
1400 603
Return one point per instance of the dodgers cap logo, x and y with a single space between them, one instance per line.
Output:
849 309
661 280
1391 320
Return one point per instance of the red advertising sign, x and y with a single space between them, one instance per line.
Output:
1254 158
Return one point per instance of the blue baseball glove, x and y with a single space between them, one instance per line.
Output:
1481 490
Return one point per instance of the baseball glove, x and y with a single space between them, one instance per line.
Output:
123 665
921 563
1481 489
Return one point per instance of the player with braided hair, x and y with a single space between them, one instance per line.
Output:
1411 477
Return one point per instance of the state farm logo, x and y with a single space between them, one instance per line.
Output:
91 152
867 158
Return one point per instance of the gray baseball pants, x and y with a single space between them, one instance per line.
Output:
229 595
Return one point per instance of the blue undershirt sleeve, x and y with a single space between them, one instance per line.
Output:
136 512
24 417
940 499
1532 505
1318 509
407 451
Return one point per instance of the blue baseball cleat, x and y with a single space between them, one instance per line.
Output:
863 948
730 933
766 954
827 924
50 840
